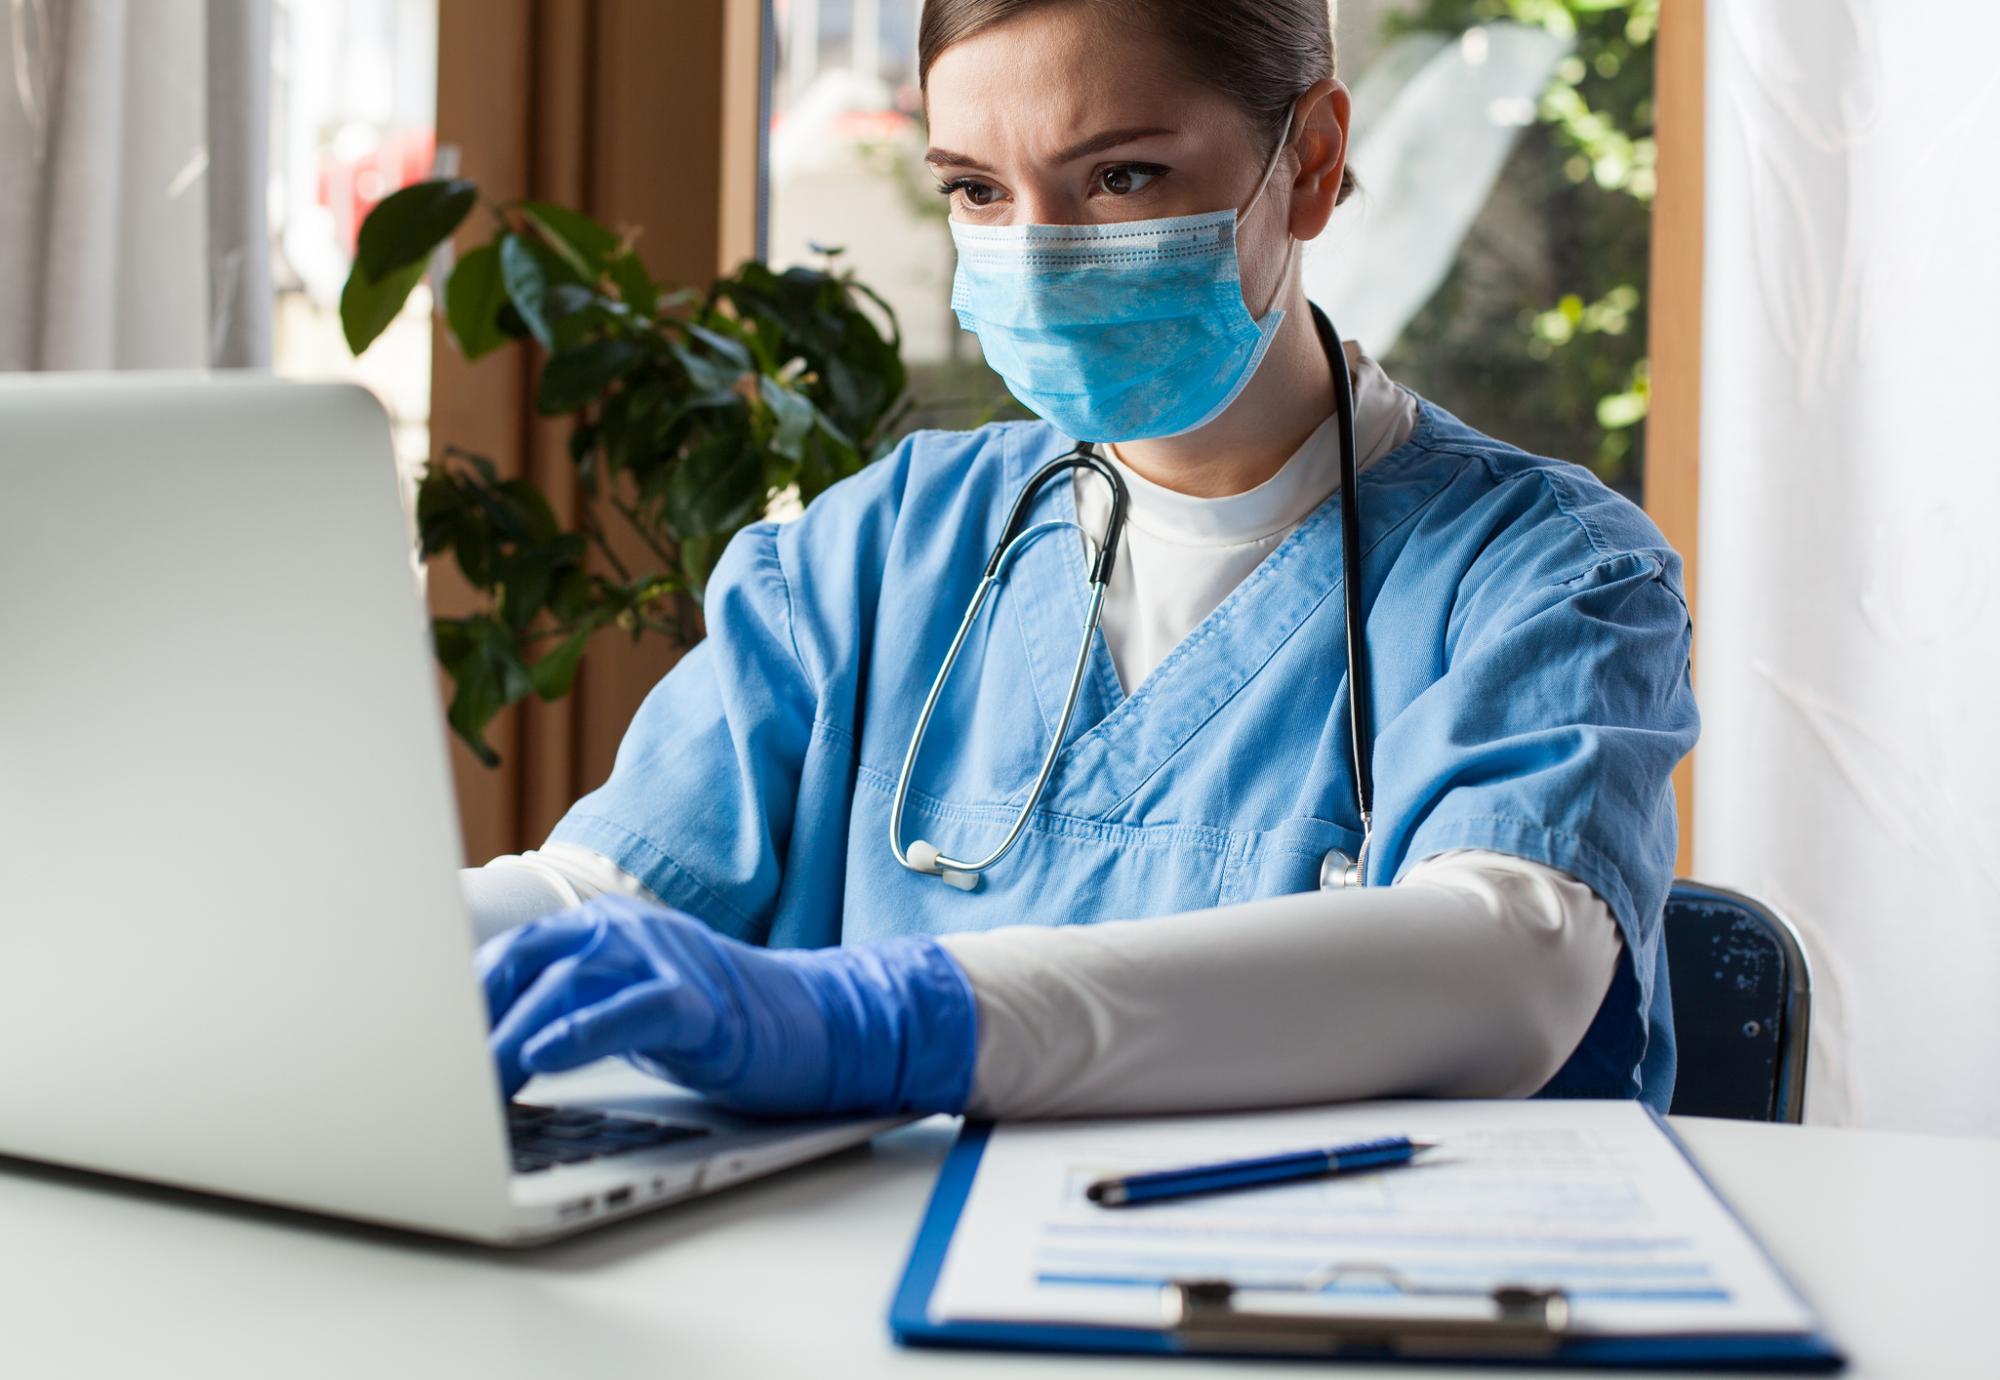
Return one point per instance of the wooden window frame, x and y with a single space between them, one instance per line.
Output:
1673 348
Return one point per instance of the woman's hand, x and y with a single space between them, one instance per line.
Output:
881 1027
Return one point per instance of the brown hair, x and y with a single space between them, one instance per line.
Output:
1262 54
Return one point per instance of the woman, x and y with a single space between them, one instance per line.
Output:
1129 183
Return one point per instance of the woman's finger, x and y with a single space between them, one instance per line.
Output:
509 963
566 985
661 1018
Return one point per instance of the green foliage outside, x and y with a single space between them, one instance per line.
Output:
1538 335
691 413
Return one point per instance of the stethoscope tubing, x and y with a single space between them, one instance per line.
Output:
1012 537
1360 690
964 874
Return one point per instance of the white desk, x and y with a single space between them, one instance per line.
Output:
1893 1237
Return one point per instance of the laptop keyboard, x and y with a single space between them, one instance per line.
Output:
546 1136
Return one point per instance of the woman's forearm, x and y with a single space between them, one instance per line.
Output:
1477 975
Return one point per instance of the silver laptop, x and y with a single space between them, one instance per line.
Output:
233 956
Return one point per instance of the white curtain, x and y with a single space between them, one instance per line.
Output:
133 143
1848 654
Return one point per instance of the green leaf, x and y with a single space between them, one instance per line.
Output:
579 376
584 244
527 285
367 306
407 225
706 375
555 671
510 322
635 286
486 673
472 301
734 352
829 456
531 517
795 417
1621 410
573 595
567 299
441 511
574 312
583 454
715 488
698 558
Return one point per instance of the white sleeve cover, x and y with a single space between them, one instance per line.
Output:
518 887
1475 976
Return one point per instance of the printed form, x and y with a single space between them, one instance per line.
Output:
1589 1197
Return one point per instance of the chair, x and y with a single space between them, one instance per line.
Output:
1742 998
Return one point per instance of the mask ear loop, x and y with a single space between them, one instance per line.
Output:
1270 167
1291 245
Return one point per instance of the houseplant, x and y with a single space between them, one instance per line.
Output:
690 413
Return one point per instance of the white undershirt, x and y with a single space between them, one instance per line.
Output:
1476 975
1182 555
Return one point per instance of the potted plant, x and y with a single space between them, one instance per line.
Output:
691 412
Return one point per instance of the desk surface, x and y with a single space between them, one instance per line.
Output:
1892 1237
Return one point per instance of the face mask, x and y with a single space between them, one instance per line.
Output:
1118 332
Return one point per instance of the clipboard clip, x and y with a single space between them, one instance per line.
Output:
1512 1320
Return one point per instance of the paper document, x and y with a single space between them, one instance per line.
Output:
1589 1197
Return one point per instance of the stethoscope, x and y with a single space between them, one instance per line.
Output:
1337 869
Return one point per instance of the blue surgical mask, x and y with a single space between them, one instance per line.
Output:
1117 332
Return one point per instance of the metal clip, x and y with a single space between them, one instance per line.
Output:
1519 1320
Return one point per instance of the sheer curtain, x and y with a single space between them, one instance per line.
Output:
133 138
1849 628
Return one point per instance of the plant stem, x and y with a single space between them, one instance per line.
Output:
631 515
594 530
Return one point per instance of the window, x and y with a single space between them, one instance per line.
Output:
353 101
1525 128
846 174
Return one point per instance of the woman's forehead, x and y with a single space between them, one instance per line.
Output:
1054 77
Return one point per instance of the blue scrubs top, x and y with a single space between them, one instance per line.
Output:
1529 640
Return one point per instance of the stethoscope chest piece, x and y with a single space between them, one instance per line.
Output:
1338 871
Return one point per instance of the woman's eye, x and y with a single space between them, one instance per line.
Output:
975 193
1127 178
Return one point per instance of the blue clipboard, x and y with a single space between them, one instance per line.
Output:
911 1324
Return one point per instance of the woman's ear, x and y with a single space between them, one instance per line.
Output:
1321 145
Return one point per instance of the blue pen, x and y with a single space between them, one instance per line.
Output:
1221 1177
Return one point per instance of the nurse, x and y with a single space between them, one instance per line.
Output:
1129 185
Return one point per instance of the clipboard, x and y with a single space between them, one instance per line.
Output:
1519 1326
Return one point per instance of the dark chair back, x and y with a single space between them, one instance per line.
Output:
1742 998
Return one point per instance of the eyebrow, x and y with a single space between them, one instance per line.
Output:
1096 143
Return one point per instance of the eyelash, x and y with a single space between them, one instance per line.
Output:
957 184
1151 171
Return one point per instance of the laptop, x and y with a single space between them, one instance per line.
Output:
233 954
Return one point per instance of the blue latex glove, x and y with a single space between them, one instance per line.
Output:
888 1026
